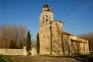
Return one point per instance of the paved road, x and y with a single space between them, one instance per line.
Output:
41 59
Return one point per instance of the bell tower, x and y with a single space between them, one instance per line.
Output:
46 17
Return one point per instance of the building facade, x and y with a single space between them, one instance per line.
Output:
54 41
74 45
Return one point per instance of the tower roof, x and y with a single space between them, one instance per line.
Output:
46 6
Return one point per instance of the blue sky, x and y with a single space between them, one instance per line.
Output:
77 15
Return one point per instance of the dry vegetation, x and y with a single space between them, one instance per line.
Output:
12 36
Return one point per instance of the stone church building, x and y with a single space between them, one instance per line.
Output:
54 41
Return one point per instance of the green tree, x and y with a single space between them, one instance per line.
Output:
28 44
38 43
4 59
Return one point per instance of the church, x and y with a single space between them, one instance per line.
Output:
54 40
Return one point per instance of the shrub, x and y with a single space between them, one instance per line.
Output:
4 59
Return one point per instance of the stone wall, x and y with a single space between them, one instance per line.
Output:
13 51
80 45
56 38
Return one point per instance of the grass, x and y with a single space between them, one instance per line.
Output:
83 58
4 59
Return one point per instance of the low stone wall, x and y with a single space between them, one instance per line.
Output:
13 51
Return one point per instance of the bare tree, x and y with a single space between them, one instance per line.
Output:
12 32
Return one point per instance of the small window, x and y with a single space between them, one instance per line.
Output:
46 16
46 19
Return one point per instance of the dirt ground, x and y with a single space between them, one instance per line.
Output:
41 59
